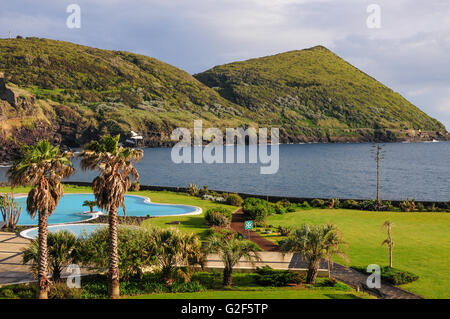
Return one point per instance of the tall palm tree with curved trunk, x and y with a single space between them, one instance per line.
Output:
314 243
117 170
42 166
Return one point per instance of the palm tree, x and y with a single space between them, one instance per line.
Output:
174 248
314 243
60 247
42 166
116 166
231 249
91 204
388 241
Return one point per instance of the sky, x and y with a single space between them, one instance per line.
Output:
405 45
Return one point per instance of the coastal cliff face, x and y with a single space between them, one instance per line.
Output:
71 94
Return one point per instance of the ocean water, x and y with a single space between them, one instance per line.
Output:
408 170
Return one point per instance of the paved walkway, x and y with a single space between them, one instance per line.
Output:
347 275
11 268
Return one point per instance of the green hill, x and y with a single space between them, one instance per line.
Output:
71 94
82 92
315 93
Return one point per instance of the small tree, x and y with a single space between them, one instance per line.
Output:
60 253
314 243
174 248
388 241
91 204
231 250
10 211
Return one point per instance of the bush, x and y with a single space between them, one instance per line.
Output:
408 206
60 290
135 186
193 190
224 211
267 276
96 287
350 204
317 203
214 218
257 209
305 205
284 231
20 291
135 250
234 200
396 276
393 275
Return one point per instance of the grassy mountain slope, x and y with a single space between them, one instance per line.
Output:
315 92
100 91
71 94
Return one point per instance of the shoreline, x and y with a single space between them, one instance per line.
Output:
6 164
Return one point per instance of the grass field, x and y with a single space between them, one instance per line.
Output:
422 242
245 287
280 293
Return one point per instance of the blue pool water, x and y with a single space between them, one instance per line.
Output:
70 209
76 229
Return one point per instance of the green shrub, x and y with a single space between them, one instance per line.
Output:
284 231
317 203
60 290
257 209
19 291
215 218
408 205
267 276
234 200
193 190
393 275
350 204
135 250
396 276
305 205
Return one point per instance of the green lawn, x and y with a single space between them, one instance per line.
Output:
422 242
280 293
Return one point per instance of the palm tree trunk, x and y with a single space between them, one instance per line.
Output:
228 277
167 276
313 270
113 273
390 256
43 281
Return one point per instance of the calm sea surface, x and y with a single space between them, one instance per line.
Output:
419 170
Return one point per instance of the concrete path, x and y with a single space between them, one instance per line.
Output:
11 268
276 260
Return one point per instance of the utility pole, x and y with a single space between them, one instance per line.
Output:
379 156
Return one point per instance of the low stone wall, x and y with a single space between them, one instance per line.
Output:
270 198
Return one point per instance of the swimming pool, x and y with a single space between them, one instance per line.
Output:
76 229
70 209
